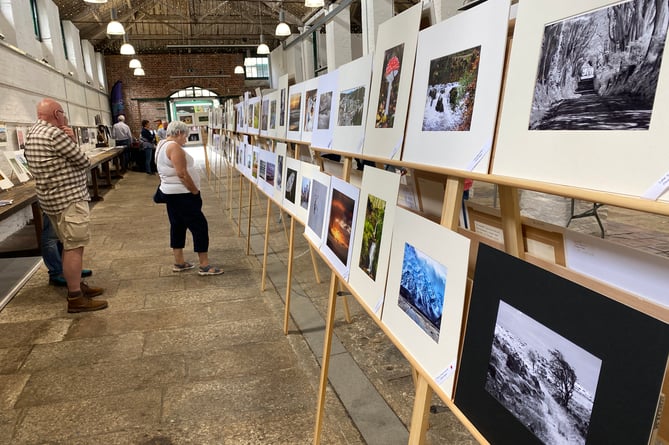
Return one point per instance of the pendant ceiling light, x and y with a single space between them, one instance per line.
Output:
239 69
127 49
282 29
138 72
115 28
135 63
314 3
262 48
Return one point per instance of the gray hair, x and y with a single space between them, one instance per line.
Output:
121 118
177 127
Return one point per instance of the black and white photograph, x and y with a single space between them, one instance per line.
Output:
294 112
264 115
304 193
599 70
291 184
351 107
309 109
262 169
279 171
422 289
451 89
317 206
269 173
324 106
547 382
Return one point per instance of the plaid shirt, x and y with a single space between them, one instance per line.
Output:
59 166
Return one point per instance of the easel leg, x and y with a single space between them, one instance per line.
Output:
315 264
289 278
239 220
325 362
283 221
347 311
265 248
248 229
421 411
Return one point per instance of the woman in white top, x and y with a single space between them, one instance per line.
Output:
180 182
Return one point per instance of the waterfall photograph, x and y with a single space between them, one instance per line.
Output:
599 70
451 89
371 235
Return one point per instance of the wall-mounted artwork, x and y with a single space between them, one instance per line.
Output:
337 245
373 233
455 95
279 177
352 100
545 361
295 111
291 189
391 84
584 82
318 201
425 293
328 102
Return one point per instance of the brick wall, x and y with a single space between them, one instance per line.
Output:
147 97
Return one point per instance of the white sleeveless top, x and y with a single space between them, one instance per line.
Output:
170 184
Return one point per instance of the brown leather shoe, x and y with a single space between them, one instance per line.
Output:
82 303
91 291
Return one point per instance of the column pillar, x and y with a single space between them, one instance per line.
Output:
374 12
338 39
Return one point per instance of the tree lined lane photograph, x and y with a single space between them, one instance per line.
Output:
599 70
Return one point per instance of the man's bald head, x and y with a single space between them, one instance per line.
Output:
52 112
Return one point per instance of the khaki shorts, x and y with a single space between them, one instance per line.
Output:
73 225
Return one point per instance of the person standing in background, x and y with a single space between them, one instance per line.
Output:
123 135
60 169
162 131
148 138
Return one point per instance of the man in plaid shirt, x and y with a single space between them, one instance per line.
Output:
60 170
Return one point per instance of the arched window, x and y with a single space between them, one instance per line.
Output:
193 91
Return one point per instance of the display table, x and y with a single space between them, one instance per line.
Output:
23 195
102 158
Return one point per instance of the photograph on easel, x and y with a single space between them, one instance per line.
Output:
295 106
544 359
387 105
599 70
341 217
451 91
543 379
351 107
318 200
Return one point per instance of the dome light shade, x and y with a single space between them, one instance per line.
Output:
115 28
239 69
127 49
138 72
262 49
135 63
314 3
282 30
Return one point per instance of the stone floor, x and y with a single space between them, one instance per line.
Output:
184 359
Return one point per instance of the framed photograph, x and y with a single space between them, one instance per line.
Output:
340 220
373 233
425 294
273 119
352 101
3 135
580 90
239 117
282 107
318 200
307 172
456 87
547 361
327 110
19 165
291 195
186 119
5 182
280 175
391 84
264 115
309 110
253 116
295 111
266 172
